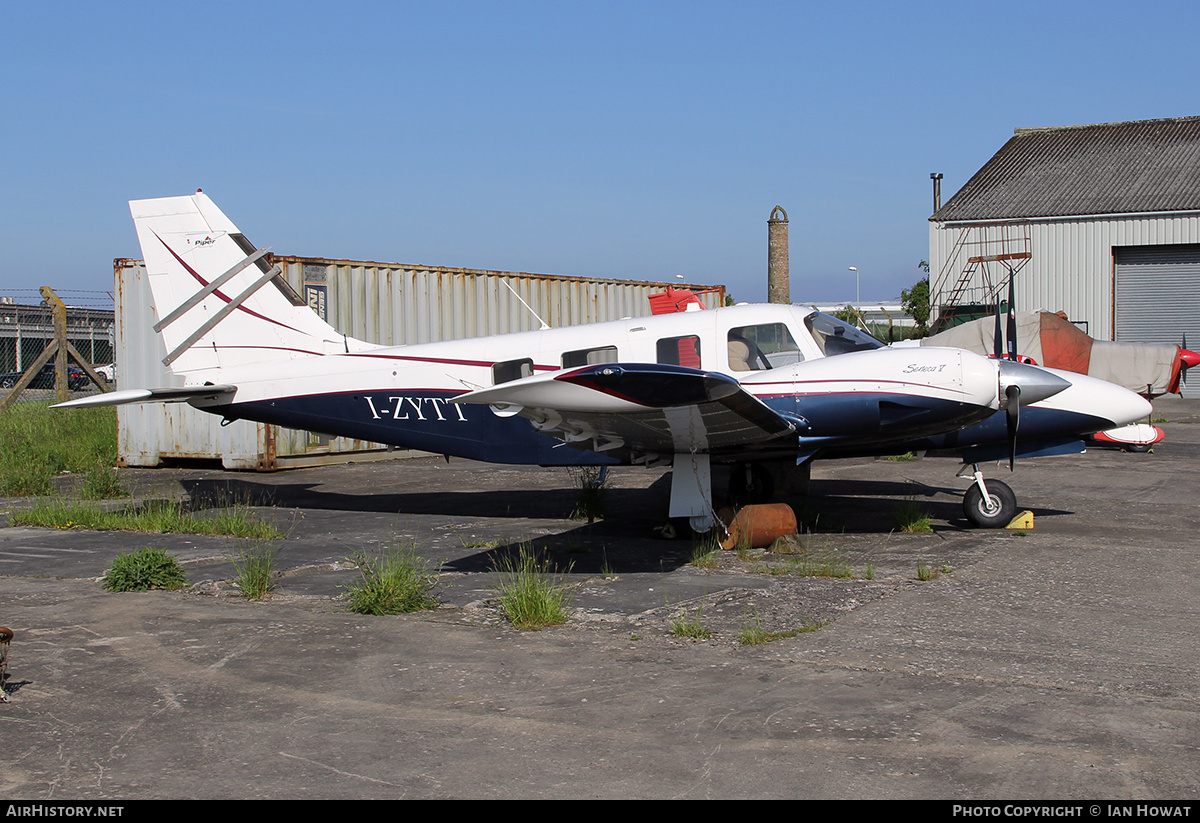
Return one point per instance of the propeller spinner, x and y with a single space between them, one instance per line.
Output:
1021 385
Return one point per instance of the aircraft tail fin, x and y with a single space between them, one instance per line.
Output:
217 301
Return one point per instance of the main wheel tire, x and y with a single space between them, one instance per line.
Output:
750 483
994 513
677 528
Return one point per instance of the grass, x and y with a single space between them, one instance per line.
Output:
102 483
819 564
397 582
532 595
606 569
482 544
912 518
752 632
159 517
706 551
683 626
591 501
143 570
927 572
41 443
253 569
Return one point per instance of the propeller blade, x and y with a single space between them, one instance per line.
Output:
998 337
1012 319
1012 410
1189 358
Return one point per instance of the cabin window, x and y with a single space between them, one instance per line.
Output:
511 370
589 357
680 351
768 346
835 337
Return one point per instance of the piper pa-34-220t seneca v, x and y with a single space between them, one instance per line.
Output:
764 388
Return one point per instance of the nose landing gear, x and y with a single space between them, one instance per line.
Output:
990 504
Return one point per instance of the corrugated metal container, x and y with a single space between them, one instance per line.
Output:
1071 267
384 303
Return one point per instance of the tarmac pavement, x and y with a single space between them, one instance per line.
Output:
1059 662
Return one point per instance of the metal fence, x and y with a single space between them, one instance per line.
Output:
27 328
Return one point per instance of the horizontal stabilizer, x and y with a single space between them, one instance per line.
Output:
196 395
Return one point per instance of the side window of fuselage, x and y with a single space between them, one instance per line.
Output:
589 357
680 351
766 346
511 370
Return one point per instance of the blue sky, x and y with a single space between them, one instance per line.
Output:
635 140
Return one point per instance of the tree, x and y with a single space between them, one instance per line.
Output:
915 301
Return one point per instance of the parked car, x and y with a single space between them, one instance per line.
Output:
108 372
44 379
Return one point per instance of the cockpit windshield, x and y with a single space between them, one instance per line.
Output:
834 336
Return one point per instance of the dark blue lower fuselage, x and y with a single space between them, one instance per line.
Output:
831 426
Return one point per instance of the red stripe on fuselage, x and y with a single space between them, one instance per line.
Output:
218 292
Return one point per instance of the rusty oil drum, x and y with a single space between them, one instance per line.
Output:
757 527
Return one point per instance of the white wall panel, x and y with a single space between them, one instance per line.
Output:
1071 267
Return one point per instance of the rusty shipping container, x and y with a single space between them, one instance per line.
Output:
385 303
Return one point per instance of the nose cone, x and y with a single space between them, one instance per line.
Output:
1035 383
1107 403
1122 406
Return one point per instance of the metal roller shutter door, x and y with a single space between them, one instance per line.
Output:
1158 294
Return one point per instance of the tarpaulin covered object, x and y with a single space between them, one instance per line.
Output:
1051 340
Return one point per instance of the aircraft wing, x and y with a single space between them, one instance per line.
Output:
645 408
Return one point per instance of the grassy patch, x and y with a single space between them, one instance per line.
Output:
158 517
828 563
102 483
253 569
684 626
532 594
706 551
927 572
397 582
752 632
41 443
591 501
912 518
482 544
143 570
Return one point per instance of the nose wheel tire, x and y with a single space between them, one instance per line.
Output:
996 512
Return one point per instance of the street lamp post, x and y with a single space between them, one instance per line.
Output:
857 290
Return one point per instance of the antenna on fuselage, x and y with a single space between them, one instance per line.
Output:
545 325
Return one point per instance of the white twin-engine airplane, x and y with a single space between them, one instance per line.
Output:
765 388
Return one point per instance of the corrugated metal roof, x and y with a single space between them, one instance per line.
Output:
1144 166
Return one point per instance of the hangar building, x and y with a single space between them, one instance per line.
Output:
1101 222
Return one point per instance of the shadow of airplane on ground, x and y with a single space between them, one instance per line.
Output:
838 505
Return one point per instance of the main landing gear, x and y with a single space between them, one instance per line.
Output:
990 504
